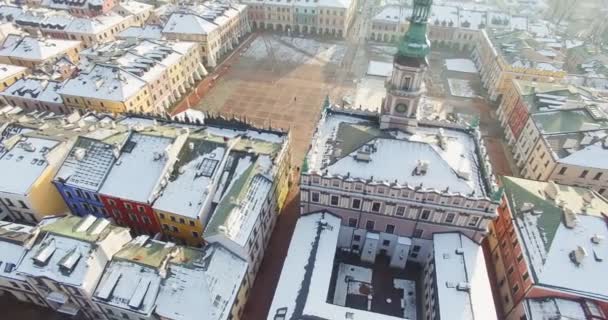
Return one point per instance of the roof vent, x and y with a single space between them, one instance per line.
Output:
588 196
551 190
527 206
222 229
570 219
597 239
578 255
463 286
422 166
28 147
459 251
79 154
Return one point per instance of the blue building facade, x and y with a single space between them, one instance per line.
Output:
81 176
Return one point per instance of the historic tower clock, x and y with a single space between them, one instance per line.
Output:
405 87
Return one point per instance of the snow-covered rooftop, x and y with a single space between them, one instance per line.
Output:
191 186
9 70
145 59
133 7
151 32
103 82
201 284
87 164
562 230
462 283
35 49
36 89
305 279
71 249
13 241
133 277
23 163
143 158
244 196
453 164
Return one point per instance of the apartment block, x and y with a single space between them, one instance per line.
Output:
504 56
546 246
557 132
307 17
168 68
31 52
218 27
66 263
9 74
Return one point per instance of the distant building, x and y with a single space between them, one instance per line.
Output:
547 245
62 25
67 261
320 17
218 27
88 8
30 52
504 56
557 132
35 94
168 69
450 26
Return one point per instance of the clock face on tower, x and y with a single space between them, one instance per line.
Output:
401 108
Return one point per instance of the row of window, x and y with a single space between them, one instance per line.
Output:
403 193
399 210
175 229
162 216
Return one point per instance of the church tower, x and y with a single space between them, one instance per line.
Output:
405 87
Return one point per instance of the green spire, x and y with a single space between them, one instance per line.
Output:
415 43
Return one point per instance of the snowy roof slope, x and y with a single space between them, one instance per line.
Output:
548 242
593 156
201 284
36 89
142 159
193 178
468 268
450 154
23 164
35 49
151 32
106 83
9 70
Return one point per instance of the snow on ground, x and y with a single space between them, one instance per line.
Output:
461 88
296 50
369 94
384 53
409 297
350 276
380 69
460 65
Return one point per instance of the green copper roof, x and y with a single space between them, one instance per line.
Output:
415 43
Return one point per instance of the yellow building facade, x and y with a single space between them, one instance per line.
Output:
9 74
